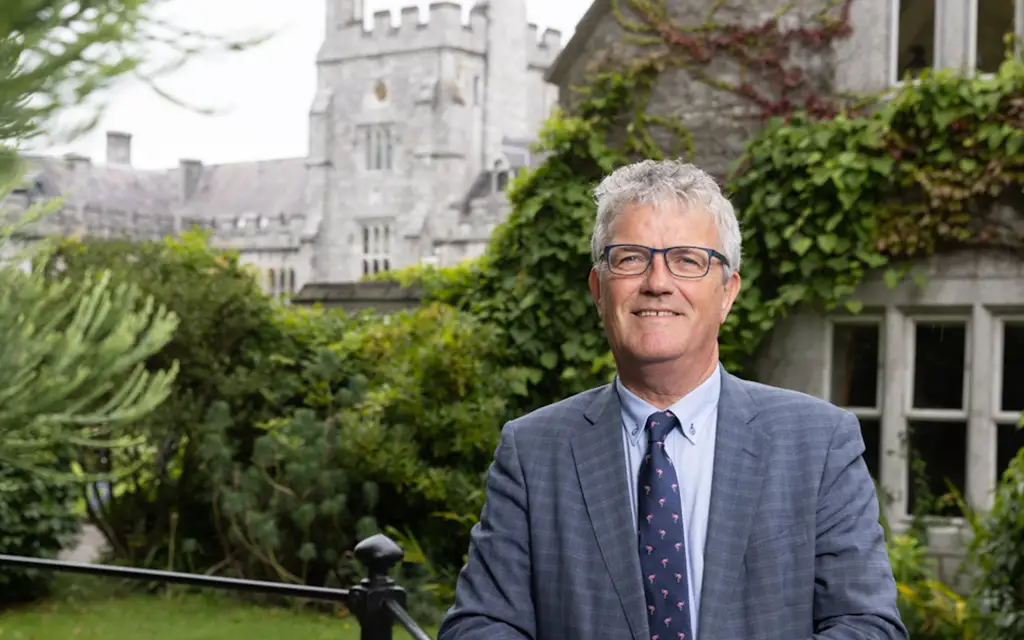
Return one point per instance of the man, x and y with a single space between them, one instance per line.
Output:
679 502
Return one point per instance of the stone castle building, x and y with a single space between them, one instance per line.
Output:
413 132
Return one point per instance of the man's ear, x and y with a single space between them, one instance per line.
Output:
732 289
595 286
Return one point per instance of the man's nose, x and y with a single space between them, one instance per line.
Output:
658 279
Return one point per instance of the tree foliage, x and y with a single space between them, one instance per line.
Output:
396 428
228 345
997 551
72 376
73 363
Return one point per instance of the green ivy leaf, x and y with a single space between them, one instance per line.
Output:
801 245
893 277
828 242
854 306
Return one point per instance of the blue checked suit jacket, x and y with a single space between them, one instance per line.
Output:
794 548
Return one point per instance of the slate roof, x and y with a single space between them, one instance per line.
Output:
112 187
268 187
517 152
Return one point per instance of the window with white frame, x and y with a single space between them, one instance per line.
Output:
936 411
994 20
1008 391
929 406
855 379
376 254
914 28
281 282
378 146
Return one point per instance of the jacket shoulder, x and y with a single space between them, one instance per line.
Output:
560 416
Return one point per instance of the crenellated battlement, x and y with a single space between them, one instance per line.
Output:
544 47
441 25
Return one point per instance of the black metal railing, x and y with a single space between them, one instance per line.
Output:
377 602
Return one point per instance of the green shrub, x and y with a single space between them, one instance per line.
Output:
226 343
37 519
997 550
928 607
400 419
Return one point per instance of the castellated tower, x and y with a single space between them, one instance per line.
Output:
410 118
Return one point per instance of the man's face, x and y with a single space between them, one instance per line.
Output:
697 306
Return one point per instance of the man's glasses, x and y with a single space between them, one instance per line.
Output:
683 262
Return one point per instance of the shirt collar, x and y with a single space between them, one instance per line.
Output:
691 408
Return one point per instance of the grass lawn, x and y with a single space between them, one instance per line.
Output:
177 616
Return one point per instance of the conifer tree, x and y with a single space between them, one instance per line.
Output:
72 357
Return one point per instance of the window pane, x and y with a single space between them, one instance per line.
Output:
916 46
1013 367
366 240
939 351
1009 440
871 431
855 365
368 144
995 21
938 454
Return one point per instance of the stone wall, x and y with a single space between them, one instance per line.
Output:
720 121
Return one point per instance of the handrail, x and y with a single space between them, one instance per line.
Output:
377 602
404 619
193 579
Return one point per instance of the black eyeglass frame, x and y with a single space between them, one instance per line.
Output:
712 253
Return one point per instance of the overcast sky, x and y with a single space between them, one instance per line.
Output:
262 95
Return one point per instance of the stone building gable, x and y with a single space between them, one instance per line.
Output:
719 121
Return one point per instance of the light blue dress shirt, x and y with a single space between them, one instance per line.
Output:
692 450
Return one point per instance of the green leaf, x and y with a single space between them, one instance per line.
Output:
801 244
549 359
893 277
853 306
827 242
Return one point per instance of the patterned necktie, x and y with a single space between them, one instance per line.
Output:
662 545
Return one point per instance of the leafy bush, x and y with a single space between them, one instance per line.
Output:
997 551
928 607
225 343
400 420
37 519
72 374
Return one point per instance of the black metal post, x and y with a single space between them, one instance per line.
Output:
368 600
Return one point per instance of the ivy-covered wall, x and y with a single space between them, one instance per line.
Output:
725 64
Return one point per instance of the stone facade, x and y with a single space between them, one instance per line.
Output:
414 132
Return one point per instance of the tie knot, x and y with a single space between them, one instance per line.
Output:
659 424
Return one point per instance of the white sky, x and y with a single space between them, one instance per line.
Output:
262 96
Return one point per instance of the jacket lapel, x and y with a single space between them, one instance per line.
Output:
735 493
600 463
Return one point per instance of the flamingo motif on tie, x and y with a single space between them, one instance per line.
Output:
663 548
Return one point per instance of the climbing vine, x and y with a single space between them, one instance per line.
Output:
760 63
826 192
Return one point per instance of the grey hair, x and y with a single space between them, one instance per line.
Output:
657 183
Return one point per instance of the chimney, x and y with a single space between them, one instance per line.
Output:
119 148
76 162
191 172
